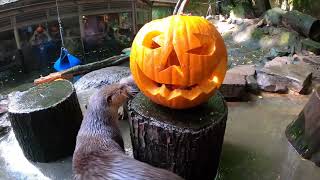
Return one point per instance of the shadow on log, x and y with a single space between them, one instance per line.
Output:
304 132
45 120
187 142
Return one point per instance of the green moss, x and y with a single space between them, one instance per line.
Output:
257 34
284 38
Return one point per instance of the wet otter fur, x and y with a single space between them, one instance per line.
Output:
99 152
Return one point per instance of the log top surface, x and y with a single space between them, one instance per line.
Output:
195 118
40 97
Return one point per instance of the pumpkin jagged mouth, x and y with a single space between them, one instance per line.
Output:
173 87
169 91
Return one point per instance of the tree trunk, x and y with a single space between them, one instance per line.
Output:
303 23
304 132
187 142
46 120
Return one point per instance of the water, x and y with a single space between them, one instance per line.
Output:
255 146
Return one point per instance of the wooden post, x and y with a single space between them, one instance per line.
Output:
45 120
15 31
187 142
17 38
134 17
81 26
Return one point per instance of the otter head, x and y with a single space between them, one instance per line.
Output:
117 94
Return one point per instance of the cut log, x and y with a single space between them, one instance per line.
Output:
304 132
46 120
303 23
186 142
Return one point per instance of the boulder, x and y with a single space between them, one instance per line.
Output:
243 70
252 84
281 78
233 87
248 72
314 63
279 61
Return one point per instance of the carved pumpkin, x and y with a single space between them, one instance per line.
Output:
178 61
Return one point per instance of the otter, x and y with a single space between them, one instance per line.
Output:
99 152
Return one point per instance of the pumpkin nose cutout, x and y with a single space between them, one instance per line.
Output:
172 60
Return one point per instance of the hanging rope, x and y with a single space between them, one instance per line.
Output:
60 24
209 12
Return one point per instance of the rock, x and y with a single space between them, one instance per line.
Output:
279 61
274 16
276 52
314 63
233 87
248 72
243 70
252 84
98 78
271 83
295 77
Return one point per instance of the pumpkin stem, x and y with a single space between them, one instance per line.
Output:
180 6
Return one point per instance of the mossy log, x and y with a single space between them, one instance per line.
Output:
186 142
309 45
304 132
46 120
303 23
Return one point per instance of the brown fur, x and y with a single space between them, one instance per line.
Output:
99 152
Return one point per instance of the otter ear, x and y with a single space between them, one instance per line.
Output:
109 99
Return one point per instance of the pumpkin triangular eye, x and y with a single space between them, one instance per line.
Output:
205 45
149 41
172 60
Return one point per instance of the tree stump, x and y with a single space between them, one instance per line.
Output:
46 120
304 132
186 142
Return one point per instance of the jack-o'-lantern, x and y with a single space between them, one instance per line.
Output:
178 61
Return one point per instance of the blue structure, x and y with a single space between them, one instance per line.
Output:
65 61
